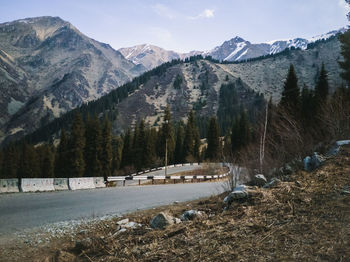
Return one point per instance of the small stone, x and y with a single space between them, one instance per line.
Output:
259 180
124 221
273 183
132 225
190 215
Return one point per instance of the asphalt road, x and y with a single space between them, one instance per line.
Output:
28 210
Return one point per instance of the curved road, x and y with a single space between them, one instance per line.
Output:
27 210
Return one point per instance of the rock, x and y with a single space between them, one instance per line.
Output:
287 169
191 214
124 221
131 225
273 183
162 220
307 164
239 192
259 180
83 244
313 162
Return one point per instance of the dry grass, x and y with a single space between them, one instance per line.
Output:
304 220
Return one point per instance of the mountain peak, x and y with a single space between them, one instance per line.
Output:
237 39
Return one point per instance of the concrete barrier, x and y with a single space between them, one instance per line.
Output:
99 182
9 185
60 183
37 184
81 183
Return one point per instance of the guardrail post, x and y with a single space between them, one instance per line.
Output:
164 181
183 180
123 182
139 182
152 181
174 181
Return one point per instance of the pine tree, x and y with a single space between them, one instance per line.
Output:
192 140
244 130
307 107
345 51
149 149
46 155
213 150
167 137
290 100
93 147
235 136
30 165
62 156
178 155
107 153
117 148
139 142
76 146
127 150
322 86
11 162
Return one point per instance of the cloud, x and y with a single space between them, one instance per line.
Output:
164 11
207 13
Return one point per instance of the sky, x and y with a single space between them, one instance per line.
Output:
185 25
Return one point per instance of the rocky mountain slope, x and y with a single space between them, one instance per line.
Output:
151 56
235 49
198 84
48 67
265 76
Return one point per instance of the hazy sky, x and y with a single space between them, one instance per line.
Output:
184 25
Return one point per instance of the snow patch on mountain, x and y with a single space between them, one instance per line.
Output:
239 47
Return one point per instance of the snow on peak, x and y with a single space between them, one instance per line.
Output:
239 47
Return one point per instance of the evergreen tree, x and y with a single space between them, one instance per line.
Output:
244 130
192 140
322 86
11 162
127 150
149 149
30 165
76 146
46 155
290 100
62 156
107 152
139 146
213 150
178 155
117 148
235 139
167 137
93 147
1 163
345 51
307 107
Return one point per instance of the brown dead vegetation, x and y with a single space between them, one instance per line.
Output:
307 219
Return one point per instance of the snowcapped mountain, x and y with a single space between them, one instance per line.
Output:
149 56
238 49
235 49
